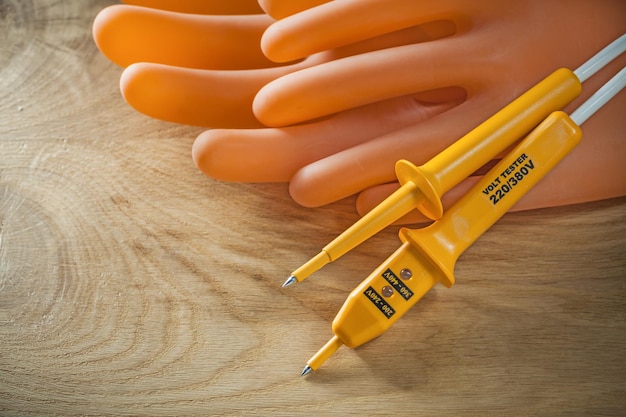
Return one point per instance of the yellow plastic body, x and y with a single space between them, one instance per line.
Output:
369 311
488 139
430 253
422 187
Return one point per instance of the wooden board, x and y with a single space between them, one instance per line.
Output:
130 284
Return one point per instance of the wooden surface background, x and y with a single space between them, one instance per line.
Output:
130 284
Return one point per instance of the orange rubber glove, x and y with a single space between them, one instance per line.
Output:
498 51
202 69
377 103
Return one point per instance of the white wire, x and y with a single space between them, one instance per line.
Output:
599 60
600 98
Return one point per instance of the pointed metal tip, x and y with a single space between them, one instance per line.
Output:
291 280
307 370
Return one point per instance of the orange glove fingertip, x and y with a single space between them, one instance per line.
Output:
103 32
201 153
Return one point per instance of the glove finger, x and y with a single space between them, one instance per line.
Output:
275 154
214 7
362 79
339 23
130 34
372 163
195 97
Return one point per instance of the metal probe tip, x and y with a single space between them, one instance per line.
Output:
307 370
291 280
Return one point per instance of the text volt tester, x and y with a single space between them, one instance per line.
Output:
428 255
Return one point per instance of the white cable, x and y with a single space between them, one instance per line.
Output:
600 98
599 60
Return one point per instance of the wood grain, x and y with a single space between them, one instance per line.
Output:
130 284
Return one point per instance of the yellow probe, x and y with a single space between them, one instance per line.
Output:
423 186
428 255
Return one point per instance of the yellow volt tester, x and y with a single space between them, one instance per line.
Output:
428 255
423 186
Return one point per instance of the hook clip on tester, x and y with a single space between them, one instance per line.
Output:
428 255
423 186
